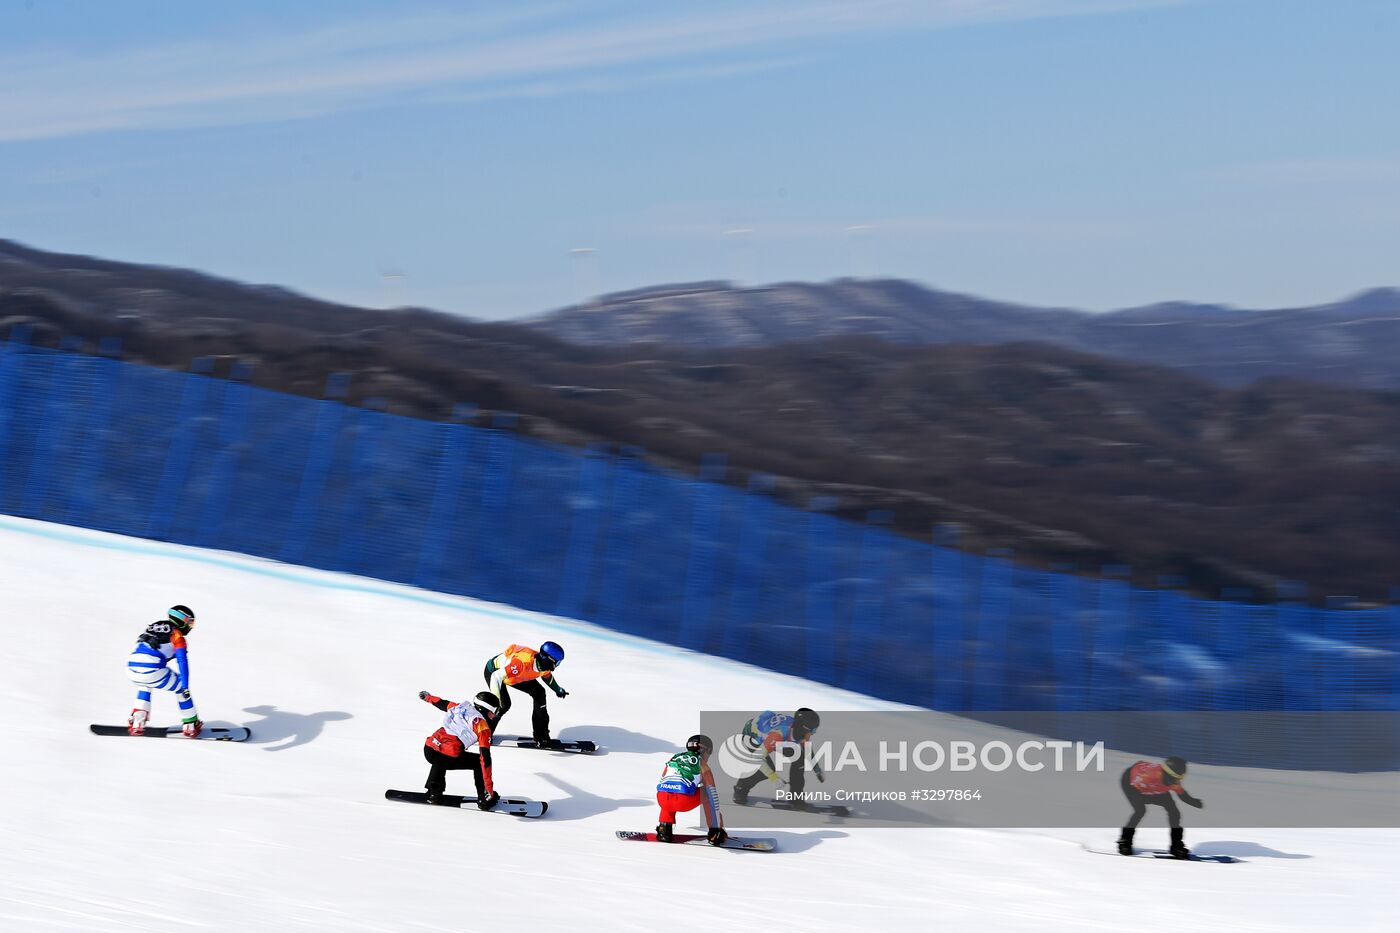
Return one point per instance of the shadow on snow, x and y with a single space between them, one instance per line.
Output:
291 729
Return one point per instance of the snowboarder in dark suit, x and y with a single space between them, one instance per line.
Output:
1144 784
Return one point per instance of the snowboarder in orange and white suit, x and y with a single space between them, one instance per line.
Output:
525 669
1144 783
446 749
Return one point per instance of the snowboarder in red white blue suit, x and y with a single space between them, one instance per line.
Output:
148 666
1147 784
762 735
686 783
446 749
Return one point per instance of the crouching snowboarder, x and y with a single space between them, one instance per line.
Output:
762 735
686 783
463 725
1146 784
148 666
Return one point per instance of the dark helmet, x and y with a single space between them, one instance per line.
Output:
700 745
182 617
549 656
487 705
1174 769
806 720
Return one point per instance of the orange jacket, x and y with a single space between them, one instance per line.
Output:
516 665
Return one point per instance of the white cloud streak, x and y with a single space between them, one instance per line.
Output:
369 63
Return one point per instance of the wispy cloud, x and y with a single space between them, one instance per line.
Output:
368 63
604 83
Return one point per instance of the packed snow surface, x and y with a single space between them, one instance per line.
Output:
291 832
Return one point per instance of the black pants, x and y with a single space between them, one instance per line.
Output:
441 764
797 776
539 716
1140 802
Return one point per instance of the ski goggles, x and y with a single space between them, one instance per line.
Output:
182 620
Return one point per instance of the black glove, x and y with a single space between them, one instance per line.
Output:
489 801
561 693
717 836
423 695
1196 802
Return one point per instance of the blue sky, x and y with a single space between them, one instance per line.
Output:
503 159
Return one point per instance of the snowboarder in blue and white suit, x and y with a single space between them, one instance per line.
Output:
149 668
762 735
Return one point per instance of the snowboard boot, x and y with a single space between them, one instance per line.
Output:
136 722
744 785
1125 841
192 727
664 831
1178 849
539 727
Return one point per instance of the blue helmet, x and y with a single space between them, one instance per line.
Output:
553 652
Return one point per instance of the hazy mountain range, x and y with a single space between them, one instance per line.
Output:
1352 342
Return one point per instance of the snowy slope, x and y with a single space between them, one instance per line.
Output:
290 832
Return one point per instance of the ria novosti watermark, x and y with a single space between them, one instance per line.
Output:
920 768
926 756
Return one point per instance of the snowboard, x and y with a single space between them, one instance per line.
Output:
834 809
511 806
698 839
210 733
1164 854
584 746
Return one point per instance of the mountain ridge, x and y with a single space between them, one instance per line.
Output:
1351 342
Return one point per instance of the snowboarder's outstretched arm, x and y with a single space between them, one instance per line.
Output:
439 702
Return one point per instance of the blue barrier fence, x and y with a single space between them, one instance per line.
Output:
92 441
